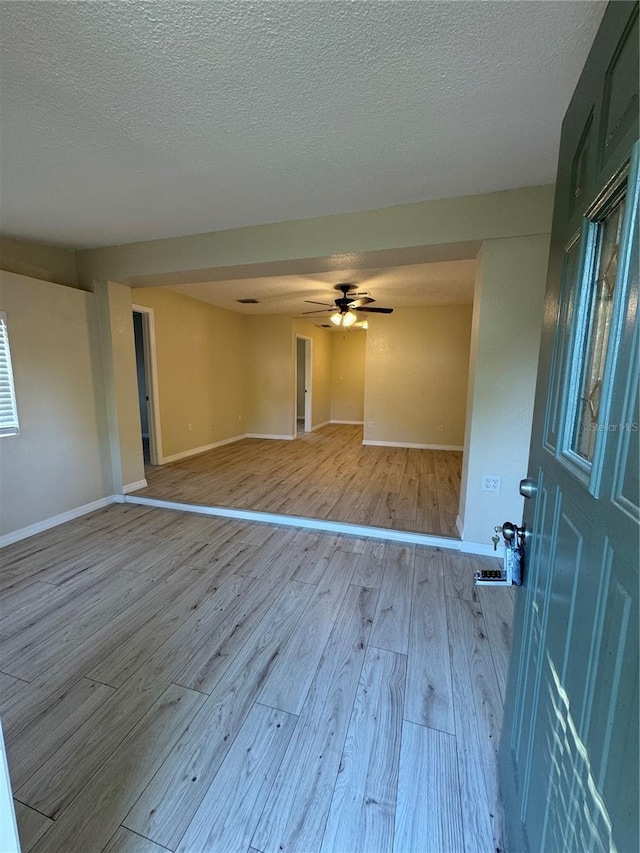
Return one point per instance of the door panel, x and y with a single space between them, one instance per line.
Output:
569 750
625 493
525 643
620 101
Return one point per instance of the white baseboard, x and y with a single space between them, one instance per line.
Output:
360 423
459 526
265 435
465 547
319 426
54 521
195 451
133 487
412 445
308 523
481 549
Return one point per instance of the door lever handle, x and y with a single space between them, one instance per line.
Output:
528 487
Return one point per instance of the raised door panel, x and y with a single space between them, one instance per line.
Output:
620 97
553 718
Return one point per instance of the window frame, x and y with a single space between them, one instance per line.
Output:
8 388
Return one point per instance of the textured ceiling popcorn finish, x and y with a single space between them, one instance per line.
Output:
127 121
405 286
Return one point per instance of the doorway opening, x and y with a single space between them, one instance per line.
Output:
144 339
303 385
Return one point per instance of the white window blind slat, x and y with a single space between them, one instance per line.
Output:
8 408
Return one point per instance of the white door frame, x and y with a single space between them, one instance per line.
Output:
308 355
151 380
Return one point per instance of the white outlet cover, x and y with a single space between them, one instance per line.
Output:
491 483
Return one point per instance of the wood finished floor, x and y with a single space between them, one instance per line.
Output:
182 682
325 474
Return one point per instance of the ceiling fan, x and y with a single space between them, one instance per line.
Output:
345 306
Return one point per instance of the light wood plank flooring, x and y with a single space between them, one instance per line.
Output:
325 474
182 682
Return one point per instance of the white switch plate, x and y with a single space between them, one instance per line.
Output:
491 483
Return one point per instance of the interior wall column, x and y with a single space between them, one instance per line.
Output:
113 302
505 338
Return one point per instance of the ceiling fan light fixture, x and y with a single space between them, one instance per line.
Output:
347 319
344 313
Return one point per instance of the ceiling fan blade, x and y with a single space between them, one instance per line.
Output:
375 310
313 302
363 300
320 311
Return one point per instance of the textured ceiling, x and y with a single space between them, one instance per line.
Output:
126 121
405 286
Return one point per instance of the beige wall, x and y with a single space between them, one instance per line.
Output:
270 392
201 370
471 383
417 364
507 326
226 374
55 463
348 350
514 227
320 369
46 263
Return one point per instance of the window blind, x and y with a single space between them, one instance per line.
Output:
8 408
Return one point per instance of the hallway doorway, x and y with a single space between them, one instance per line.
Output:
303 385
146 379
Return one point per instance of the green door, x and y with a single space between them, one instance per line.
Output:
569 750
